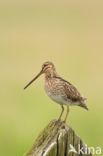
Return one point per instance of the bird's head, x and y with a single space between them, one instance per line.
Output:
46 67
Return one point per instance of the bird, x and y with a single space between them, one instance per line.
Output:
60 90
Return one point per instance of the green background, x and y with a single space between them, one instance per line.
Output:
68 33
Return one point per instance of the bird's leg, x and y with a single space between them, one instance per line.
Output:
66 114
61 113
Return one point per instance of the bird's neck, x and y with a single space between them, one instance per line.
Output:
50 74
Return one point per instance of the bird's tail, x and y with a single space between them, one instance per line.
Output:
83 105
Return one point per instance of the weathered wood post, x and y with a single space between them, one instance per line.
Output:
58 139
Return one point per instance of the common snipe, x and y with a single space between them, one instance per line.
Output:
59 90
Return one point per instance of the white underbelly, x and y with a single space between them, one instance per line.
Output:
59 99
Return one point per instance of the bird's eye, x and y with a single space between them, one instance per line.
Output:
45 65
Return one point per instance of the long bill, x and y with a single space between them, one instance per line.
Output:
33 79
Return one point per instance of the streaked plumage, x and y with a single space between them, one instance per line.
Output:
59 90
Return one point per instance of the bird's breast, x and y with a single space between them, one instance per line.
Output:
53 87
49 86
55 92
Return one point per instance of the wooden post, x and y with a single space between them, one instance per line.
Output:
58 139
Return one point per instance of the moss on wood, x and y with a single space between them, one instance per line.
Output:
55 140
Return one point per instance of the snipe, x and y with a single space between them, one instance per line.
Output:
59 90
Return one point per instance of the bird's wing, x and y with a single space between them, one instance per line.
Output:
71 92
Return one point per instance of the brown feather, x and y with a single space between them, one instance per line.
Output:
71 92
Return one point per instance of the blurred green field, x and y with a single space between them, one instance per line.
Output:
68 33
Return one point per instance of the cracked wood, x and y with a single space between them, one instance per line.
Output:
55 140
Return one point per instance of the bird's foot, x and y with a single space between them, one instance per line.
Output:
57 121
64 121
